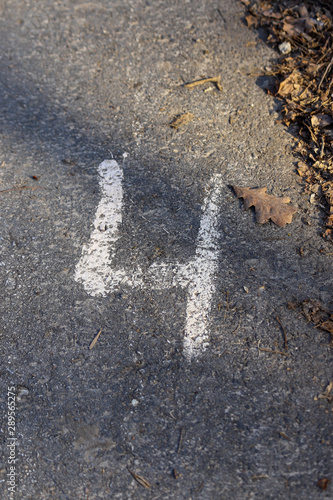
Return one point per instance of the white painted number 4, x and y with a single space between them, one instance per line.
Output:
94 269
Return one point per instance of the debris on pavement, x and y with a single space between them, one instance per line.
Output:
285 47
176 474
323 483
316 313
141 480
93 343
266 205
303 79
327 393
181 120
216 80
21 391
262 349
285 340
20 188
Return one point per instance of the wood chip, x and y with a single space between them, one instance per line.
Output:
176 474
323 483
93 343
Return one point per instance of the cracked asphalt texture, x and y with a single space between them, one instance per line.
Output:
85 81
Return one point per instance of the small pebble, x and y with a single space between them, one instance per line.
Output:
285 47
21 391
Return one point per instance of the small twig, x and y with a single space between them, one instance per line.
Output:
181 437
313 137
304 91
139 479
329 86
216 80
322 148
259 476
227 306
239 323
22 187
221 15
325 53
93 343
57 485
272 352
284 333
325 72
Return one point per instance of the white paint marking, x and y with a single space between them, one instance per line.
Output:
95 272
94 267
201 287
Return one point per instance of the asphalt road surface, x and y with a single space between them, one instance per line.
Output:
147 350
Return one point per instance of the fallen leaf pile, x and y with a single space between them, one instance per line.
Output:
302 32
266 206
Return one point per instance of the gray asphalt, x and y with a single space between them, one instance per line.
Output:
82 82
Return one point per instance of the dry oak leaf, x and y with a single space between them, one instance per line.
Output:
266 206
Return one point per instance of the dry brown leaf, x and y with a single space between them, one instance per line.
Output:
328 326
290 29
181 120
321 120
251 20
302 169
266 206
290 84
